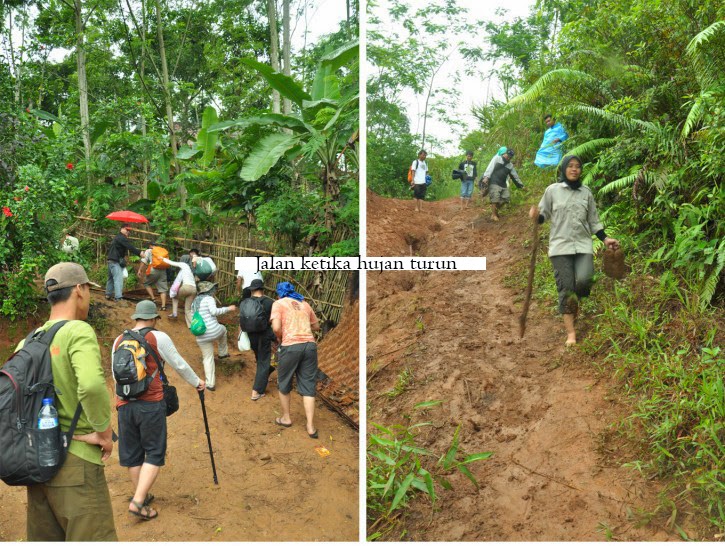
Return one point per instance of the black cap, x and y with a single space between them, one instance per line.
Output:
256 284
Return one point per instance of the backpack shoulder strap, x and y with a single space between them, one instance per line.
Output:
140 336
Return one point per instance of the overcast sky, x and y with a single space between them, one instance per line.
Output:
320 17
474 90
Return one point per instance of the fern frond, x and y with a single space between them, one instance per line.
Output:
561 77
631 124
708 64
620 183
710 285
591 175
693 116
588 149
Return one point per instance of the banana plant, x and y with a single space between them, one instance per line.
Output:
319 130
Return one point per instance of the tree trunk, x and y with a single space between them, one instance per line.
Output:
427 99
83 89
273 49
167 99
287 105
142 70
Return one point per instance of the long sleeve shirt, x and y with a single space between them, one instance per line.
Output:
499 170
120 247
574 219
75 359
169 355
185 275
206 305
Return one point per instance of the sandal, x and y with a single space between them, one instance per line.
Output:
149 499
280 423
314 435
257 397
163 308
144 512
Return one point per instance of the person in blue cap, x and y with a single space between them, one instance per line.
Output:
293 322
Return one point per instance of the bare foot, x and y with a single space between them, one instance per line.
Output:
570 340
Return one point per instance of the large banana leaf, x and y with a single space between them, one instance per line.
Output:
286 86
266 154
187 152
205 140
326 84
280 120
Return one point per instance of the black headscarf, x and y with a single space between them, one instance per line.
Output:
562 172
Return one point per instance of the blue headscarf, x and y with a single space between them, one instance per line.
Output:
287 290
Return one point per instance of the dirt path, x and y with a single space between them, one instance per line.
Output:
273 485
541 410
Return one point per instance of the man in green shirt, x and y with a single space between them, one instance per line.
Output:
75 505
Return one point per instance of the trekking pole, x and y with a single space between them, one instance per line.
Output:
530 286
208 436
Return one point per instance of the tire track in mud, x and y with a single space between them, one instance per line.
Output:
539 408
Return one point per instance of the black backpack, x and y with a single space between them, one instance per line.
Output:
129 364
252 316
25 379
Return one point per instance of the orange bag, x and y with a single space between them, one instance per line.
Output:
158 253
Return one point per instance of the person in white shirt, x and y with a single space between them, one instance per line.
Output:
197 260
70 244
417 174
244 279
186 287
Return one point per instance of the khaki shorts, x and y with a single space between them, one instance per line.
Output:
74 506
157 277
497 194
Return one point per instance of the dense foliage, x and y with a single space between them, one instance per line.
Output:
180 126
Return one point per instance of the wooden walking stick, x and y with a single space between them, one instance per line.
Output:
208 436
530 286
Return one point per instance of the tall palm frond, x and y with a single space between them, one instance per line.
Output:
588 149
560 79
705 50
631 124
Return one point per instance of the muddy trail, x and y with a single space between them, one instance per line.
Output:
556 471
273 483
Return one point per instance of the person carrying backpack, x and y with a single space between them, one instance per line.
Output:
74 505
495 178
469 167
416 177
142 415
154 268
185 288
205 305
203 267
254 318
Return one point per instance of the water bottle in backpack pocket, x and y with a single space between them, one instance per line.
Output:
33 446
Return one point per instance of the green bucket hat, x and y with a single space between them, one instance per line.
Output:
206 286
145 310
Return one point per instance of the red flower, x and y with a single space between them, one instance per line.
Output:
69 166
6 212
27 188
75 202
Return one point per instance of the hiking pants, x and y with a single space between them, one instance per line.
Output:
114 284
261 343
186 293
74 506
207 354
573 274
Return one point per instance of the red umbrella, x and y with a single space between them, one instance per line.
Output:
128 216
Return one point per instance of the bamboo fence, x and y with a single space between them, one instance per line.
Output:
324 290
